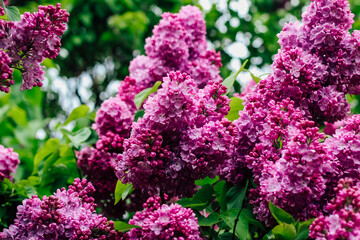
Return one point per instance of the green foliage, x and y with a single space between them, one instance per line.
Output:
230 80
287 229
122 191
123 226
236 105
141 96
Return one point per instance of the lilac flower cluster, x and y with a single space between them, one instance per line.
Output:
113 116
178 43
68 214
29 41
6 79
183 136
343 221
96 165
317 63
9 161
345 148
164 222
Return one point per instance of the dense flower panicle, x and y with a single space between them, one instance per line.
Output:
127 91
158 156
204 149
211 103
6 79
297 181
65 215
113 116
2 11
96 165
345 148
33 39
178 43
9 161
172 109
328 104
164 222
343 221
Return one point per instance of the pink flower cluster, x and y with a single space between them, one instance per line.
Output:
9 161
183 136
343 222
178 43
317 63
164 222
68 214
28 42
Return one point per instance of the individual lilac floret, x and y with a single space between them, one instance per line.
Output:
343 221
113 116
33 39
345 148
9 161
6 79
68 214
178 43
164 222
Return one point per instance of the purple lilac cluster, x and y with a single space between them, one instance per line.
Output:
289 164
345 148
164 222
96 164
9 161
318 62
343 221
68 214
6 79
113 116
178 43
29 41
183 136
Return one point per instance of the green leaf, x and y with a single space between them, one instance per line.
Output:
30 191
18 115
47 166
77 113
121 191
303 231
255 78
206 180
229 81
13 13
280 215
77 137
227 236
49 147
209 221
139 114
235 107
284 231
141 96
123 226
269 236
250 218
235 196
242 226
